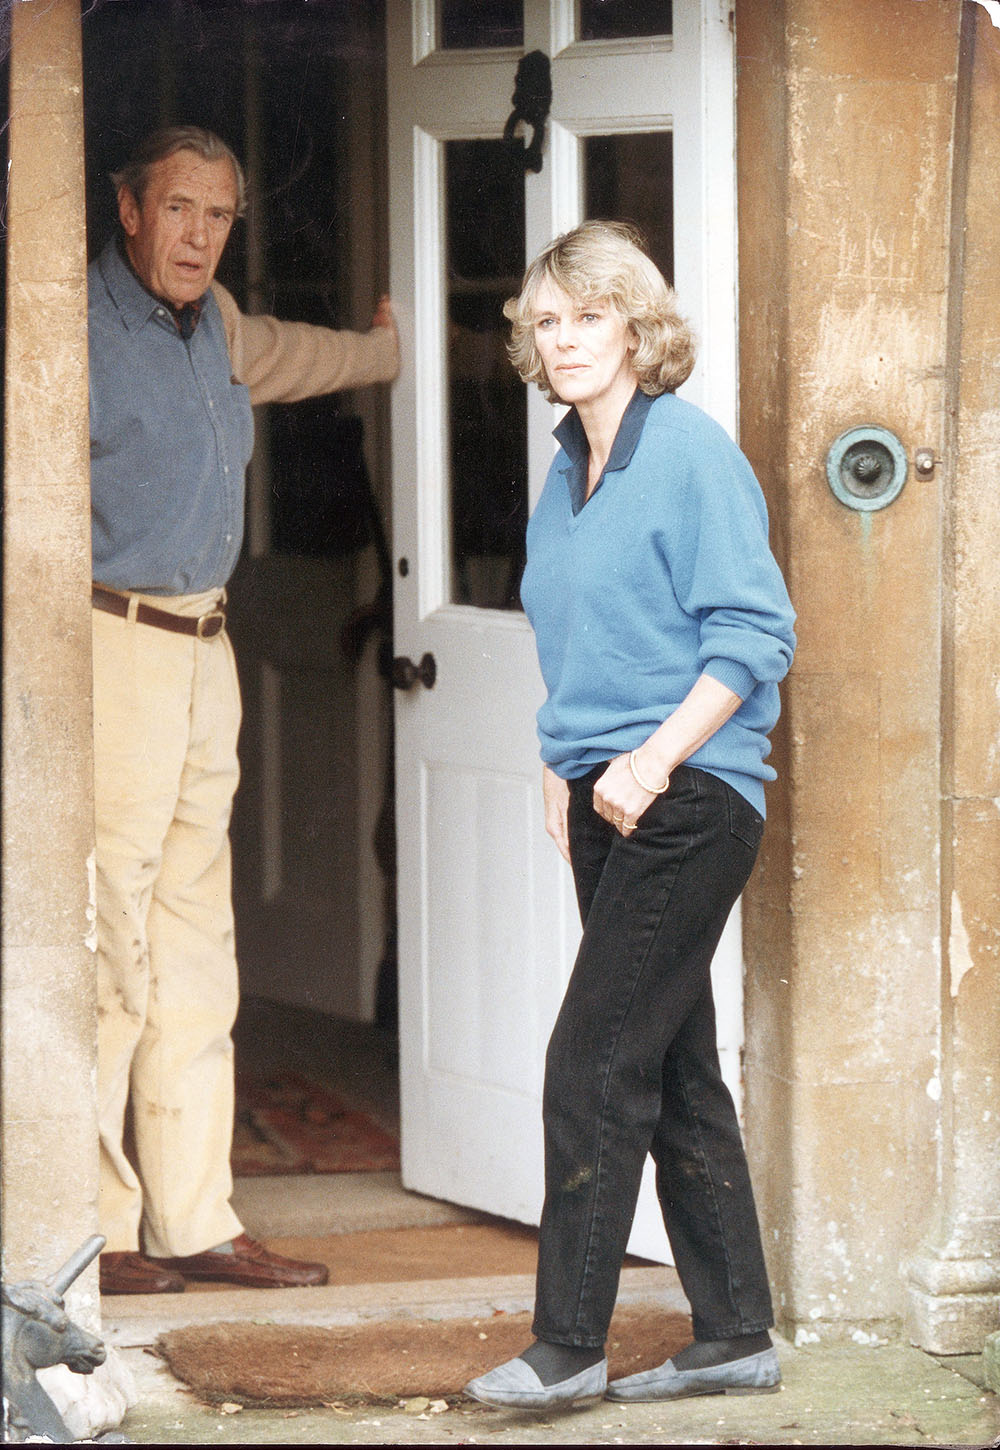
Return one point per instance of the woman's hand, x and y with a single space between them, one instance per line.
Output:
555 794
619 798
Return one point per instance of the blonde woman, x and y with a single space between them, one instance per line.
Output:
663 628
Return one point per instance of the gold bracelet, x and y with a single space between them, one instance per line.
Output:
639 780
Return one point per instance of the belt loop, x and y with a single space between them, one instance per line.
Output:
133 609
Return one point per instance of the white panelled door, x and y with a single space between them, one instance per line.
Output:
641 128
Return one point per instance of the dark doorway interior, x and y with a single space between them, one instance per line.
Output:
297 88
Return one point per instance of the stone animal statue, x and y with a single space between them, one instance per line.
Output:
37 1333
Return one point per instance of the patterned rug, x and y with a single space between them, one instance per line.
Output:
286 1124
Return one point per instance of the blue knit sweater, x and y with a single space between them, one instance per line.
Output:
663 575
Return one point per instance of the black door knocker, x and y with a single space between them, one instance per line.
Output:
532 98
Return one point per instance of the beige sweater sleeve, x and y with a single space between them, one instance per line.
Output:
281 362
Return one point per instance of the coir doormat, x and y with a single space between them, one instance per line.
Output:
285 1366
286 1124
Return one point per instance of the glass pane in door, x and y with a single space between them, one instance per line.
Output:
484 25
484 195
623 19
629 178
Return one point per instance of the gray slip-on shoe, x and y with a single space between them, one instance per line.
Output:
515 1385
754 1374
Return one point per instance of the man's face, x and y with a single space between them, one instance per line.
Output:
175 239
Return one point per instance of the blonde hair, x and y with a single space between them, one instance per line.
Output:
602 261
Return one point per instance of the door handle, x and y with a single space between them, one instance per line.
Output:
405 673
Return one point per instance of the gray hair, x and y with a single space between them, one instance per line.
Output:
167 141
602 261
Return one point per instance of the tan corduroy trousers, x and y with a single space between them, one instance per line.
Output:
166 720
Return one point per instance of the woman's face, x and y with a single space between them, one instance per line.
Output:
586 348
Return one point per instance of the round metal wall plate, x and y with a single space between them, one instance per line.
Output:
866 467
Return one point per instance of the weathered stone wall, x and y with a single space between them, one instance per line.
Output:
846 119
955 1280
49 1002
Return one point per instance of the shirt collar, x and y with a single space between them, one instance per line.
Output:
572 439
135 302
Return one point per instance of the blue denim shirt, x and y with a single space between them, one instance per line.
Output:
170 438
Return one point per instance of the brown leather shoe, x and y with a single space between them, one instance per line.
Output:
133 1273
249 1264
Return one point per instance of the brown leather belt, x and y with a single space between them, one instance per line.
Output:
206 626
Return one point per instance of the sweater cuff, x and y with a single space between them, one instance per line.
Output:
733 675
382 345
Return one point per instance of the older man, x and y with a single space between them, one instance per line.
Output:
174 368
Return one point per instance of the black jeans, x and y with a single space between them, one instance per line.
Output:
632 1067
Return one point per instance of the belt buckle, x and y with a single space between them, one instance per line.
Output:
210 625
